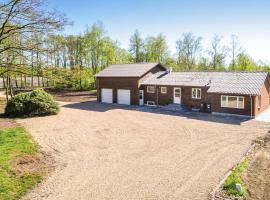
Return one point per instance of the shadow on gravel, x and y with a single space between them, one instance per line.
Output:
100 107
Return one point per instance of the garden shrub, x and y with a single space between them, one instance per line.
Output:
35 103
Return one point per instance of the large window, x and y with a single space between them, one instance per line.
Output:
196 93
232 101
150 89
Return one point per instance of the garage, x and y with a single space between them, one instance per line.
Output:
106 95
123 96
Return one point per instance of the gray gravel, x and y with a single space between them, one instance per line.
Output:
109 152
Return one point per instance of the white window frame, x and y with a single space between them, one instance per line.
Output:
150 103
162 90
149 91
227 101
196 95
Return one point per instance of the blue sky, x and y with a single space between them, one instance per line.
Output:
249 19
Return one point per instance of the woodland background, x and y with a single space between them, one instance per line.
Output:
33 53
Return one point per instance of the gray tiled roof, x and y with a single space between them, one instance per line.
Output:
246 83
126 70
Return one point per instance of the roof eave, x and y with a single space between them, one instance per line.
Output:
234 93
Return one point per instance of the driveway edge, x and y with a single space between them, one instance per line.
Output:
213 195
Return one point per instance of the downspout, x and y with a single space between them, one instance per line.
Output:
157 95
251 107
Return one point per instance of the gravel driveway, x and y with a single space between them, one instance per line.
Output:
107 152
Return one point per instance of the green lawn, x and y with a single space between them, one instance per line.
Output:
15 143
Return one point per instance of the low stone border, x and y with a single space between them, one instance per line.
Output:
213 194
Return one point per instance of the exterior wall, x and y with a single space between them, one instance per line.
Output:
216 105
150 96
213 99
119 83
130 83
264 99
186 98
194 103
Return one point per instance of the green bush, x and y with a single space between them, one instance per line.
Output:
35 103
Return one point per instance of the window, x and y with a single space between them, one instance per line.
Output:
150 89
196 93
163 90
232 101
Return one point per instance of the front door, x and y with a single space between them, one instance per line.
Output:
177 95
141 98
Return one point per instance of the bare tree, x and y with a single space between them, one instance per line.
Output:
235 50
217 53
187 50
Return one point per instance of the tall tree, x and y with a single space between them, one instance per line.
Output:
188 48
235 49
217 53
156 49
136 47
245 63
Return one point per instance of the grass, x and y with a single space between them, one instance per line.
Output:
234 178
15 143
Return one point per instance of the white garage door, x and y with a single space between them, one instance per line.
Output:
123 97
106 95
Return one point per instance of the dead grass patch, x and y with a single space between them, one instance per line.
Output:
73 96
40 163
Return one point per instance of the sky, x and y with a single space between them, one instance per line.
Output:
248 19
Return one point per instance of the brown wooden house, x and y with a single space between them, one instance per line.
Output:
241 93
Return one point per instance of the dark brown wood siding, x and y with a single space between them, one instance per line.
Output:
186 97
213 99
216 105
129 83
119 83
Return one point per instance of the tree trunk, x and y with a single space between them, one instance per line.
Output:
80 78
16 82
7 88
25 81
10 87
32 70
22 86
4 83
